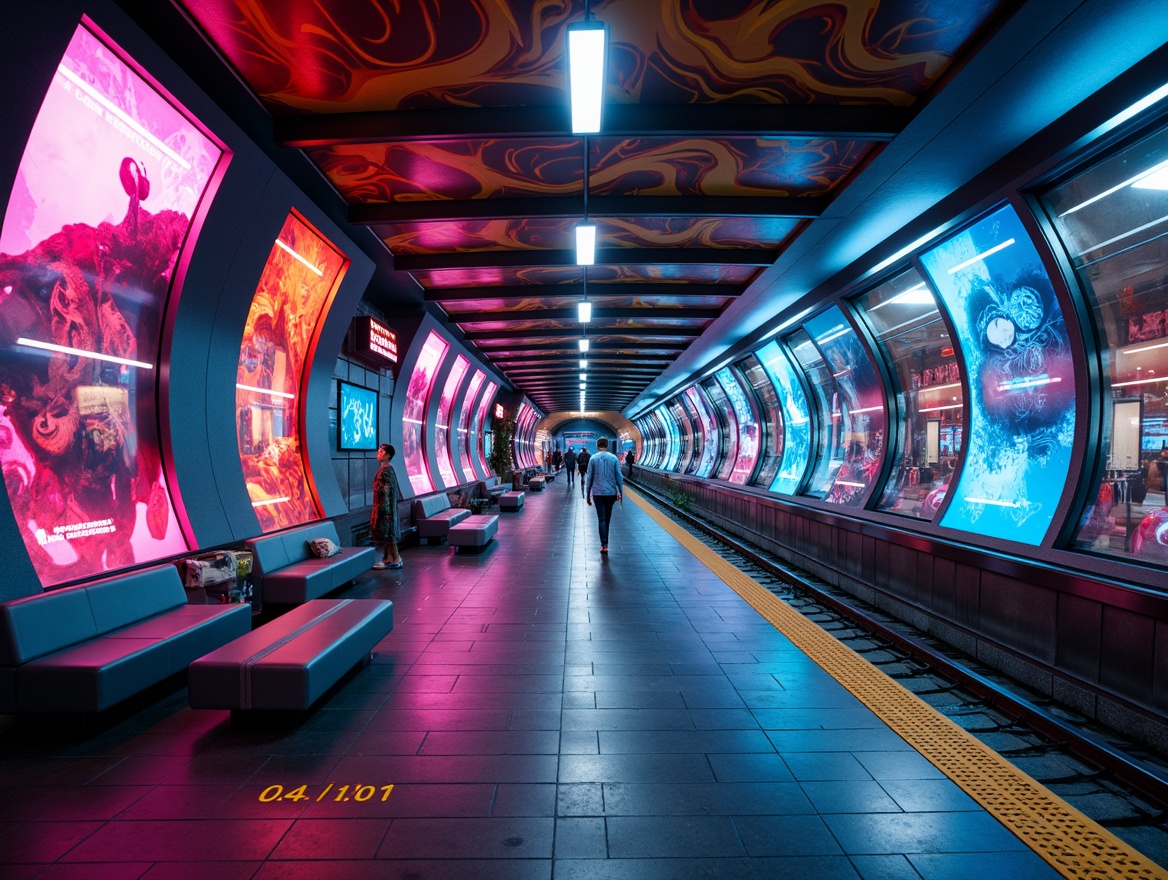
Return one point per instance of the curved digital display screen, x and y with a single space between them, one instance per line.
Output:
414 418
464 435
1021 379
97 225
442 445
796 418
709 451
477 446
748 446
302 273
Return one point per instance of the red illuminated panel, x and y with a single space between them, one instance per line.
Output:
476 434
464 434
414 419
295 289
108 194
443 448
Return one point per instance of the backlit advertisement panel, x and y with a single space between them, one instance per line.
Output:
796 418
709 451
464 437
1021 381
296 286
414 416
477 441
748 431
442 445
95 231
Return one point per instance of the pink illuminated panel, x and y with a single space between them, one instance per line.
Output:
414 419
98 224
298 282
464 435
476 431
442 445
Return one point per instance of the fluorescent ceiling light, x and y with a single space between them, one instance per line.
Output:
583 385
79 352
586 54
585 244
584 310
583 376
583 345
583 364
1156 179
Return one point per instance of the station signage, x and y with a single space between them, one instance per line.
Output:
375 342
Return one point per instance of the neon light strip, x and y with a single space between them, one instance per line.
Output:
300 258
1129 182
867 409
1036 382
122 115
271 501
413 421
901 296
999 247
939 387
267 391
939 408
835 333
1138 382
971 500
64 349
1122 236
1145 348
851 484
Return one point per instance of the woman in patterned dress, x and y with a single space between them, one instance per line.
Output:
384 527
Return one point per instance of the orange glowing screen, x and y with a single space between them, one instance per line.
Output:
297 286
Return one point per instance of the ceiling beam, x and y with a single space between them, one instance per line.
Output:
593 357
558 348
831 121
596 291
621 256
575 333
599 314
537 372
598 207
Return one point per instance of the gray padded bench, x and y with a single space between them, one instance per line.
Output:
474 531
84 649
536 484
290 574
290 663
511 501
434 516
491 488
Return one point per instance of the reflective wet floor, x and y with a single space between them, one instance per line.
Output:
539 711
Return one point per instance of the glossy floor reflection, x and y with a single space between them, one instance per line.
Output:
541 711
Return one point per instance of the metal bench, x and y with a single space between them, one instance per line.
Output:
290 663
474 531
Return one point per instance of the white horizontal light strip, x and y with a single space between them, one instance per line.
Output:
270 501
939 387
300 258
1131 181
835 333
1139 382
123 116
1145 348
1123 235
906 296
413 421
940 408
97 356
268 391
851 485
971 500
977 259
866 409
1034 382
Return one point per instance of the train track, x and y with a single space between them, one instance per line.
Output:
1111 780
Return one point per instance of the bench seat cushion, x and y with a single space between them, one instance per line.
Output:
274 552
91 677
290 663
315 577
511 500
474 531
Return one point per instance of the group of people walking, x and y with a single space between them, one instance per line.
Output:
601 482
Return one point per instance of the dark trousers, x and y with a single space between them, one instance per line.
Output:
583 471
604 505
571 474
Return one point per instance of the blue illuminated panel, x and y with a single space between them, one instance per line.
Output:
1021 380
796 418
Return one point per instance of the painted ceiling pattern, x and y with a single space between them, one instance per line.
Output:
442 124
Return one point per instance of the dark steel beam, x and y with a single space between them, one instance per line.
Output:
871 123
631 256
596 292
599 207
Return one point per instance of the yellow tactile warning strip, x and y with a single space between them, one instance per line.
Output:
1074 845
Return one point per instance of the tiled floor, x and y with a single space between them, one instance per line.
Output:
541 712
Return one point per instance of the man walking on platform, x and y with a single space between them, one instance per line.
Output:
582 464
604 482
570 464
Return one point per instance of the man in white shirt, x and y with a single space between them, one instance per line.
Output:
604 481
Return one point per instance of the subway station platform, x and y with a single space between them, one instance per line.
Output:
541 711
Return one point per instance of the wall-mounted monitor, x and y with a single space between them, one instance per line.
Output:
356 418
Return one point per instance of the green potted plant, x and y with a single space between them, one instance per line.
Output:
503 430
